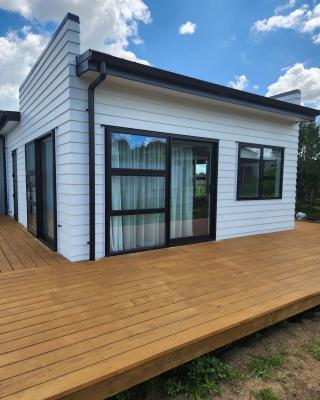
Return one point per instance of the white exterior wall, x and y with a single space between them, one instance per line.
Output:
45 105
52 97
126 104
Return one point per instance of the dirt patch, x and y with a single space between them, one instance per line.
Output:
298 378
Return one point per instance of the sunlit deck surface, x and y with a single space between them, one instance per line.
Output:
89 330
20 250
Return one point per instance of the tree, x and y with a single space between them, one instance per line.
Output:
308 176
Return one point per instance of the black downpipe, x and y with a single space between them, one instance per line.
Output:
92 162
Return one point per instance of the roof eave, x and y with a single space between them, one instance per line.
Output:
8 116
91 59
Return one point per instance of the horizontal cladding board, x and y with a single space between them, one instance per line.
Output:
210 123
69 35
155 98
51 121
41 115
251 223
232 213
58 87
46 80
193 110
258 232
60 64
259 226
109 100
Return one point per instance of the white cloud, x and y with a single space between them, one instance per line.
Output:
18 52
303 19
299 77
255 87
106 25
316 38
286 6
240 82
187 28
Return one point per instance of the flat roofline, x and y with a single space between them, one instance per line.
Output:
92 59
8 116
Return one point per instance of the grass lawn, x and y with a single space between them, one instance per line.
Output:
278 363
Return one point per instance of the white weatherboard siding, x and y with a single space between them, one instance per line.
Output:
132 105
53 97
45 105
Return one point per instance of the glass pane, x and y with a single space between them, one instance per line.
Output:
31 188
47 190
249 171
137 192
271 172
130 232
252 153
190 189
136 151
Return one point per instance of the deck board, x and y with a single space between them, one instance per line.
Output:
89 330
20 250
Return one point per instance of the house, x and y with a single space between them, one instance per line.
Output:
107 156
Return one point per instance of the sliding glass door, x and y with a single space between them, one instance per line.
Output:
191 188
41 189
159 190
47 191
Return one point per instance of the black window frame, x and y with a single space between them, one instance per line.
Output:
261 172
15 184
109 171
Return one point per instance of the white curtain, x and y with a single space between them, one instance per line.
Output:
137 192
181 190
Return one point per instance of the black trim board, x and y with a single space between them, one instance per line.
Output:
91 60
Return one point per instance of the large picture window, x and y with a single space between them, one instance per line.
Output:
137 191
260 170
160 189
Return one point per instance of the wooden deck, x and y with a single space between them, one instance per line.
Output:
20 250
89 330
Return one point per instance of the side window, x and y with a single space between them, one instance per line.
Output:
260 170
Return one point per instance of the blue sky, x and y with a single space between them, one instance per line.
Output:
224 44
